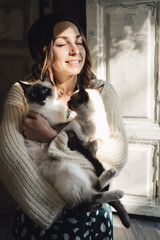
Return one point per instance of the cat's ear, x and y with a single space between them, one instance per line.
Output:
83 94
47 78
81 89
100 88
24 86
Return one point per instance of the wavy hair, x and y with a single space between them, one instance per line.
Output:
44 64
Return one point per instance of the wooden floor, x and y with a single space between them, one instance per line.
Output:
142 228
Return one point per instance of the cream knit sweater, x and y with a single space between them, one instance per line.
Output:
34 195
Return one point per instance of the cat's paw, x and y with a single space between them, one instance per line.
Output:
106 177
118 194
109 196
111 172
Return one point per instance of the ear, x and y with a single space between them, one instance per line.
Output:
83 94
24 86
81 89
47 78
99 89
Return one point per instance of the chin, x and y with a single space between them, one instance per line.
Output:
76 71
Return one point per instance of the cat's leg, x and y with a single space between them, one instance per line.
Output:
97 199
103 181
106 196
75 126
92 147
69 179
109 196
106 177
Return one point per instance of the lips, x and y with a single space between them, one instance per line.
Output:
73 61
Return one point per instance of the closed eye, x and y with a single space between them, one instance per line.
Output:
79 43
60 45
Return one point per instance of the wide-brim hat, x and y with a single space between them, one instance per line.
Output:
41 32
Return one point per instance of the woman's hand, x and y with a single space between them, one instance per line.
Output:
37 128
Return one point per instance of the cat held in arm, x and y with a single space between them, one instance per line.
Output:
92 130
78 188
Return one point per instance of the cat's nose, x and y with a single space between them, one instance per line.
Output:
43 97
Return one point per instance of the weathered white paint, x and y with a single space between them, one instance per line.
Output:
124 41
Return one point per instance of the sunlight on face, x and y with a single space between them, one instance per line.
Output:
68 49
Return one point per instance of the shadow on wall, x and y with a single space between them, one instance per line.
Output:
15 61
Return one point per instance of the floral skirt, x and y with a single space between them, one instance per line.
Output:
97 224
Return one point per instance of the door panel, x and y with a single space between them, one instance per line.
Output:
130 60
124 41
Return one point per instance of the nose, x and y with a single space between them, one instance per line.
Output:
74 49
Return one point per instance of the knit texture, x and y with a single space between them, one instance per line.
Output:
36 197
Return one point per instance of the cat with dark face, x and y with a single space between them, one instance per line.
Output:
90 124
91 128
79 186
42 98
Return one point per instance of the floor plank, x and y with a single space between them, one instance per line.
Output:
142 228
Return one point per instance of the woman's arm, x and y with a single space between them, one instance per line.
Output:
114 153
34 195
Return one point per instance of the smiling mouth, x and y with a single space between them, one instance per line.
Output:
73 62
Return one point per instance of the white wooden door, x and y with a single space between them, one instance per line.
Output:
124 41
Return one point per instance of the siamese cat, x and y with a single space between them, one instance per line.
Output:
91 128
90 124
69 179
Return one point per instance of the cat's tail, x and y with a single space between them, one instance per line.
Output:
122 213
104 178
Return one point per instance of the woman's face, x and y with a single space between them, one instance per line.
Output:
69 52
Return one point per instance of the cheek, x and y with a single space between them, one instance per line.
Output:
58 55
58 61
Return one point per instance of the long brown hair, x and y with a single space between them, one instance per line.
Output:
44 63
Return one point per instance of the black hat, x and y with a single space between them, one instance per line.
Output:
41 32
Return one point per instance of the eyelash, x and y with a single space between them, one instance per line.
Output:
61 45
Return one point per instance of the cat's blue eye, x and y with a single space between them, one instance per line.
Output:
46 90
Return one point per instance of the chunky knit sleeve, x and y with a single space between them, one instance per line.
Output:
114 153
34 195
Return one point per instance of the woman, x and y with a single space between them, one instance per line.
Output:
58 46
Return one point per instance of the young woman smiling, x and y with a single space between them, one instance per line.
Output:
58 46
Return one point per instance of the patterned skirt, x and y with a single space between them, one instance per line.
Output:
97 224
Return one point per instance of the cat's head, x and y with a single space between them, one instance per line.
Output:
39 91
78 99
83 100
